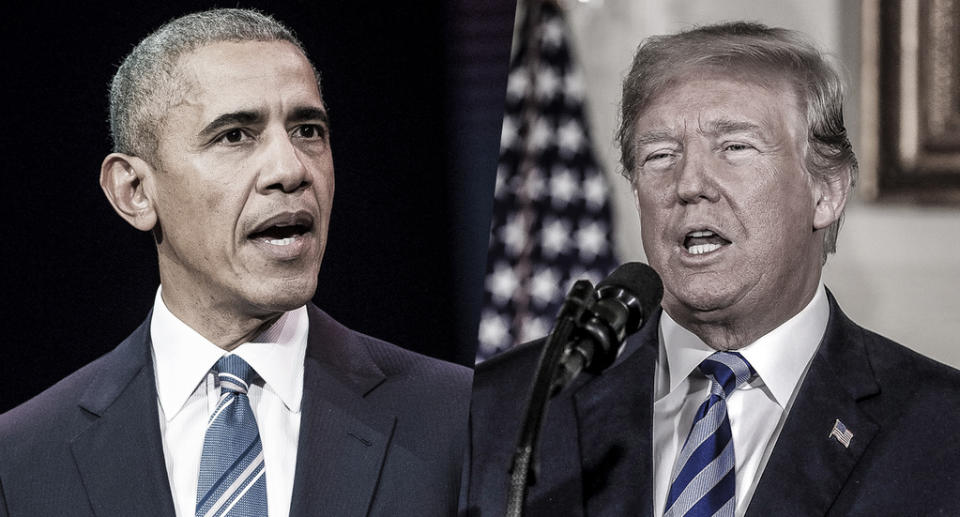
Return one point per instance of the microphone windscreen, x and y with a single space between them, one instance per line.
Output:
638 279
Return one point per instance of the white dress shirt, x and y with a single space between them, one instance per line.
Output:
756 410
187 394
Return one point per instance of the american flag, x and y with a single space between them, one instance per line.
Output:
841 433
551 214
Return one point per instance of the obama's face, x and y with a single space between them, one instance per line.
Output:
243 181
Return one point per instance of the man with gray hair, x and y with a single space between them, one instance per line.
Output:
236 396
750 393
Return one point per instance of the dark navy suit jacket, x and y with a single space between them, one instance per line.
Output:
383 432
596 449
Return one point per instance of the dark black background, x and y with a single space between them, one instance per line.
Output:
415 96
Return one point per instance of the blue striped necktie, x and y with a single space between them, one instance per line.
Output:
704 476
232 478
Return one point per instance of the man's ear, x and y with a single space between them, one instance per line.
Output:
123 179
830 196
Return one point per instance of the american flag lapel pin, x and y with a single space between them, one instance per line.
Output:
841 433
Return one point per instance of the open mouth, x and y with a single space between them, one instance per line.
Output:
700 242
283 229
281 235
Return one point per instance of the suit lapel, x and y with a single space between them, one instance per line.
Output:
808 466
615 415
120 454
343 442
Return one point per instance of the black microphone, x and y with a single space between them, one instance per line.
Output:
589 329
622 301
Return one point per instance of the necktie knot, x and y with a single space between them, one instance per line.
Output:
234 374
728 369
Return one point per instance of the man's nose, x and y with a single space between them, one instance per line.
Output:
694 179
283 167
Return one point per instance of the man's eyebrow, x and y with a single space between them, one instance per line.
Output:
306 113
230 119
725 126
652 137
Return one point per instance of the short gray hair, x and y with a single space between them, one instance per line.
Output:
147 83
748 47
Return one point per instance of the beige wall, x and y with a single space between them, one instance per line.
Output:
897 270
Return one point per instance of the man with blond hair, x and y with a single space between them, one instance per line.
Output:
750 393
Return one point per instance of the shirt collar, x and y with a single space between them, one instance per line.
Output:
182 357
779 357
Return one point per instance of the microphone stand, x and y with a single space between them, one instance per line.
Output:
522 468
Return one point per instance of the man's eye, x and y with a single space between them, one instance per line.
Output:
233 136
310 131
736 147
658 159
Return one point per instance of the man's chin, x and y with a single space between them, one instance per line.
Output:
279 297
699 304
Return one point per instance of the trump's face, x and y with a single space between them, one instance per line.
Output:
243 181
729 214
